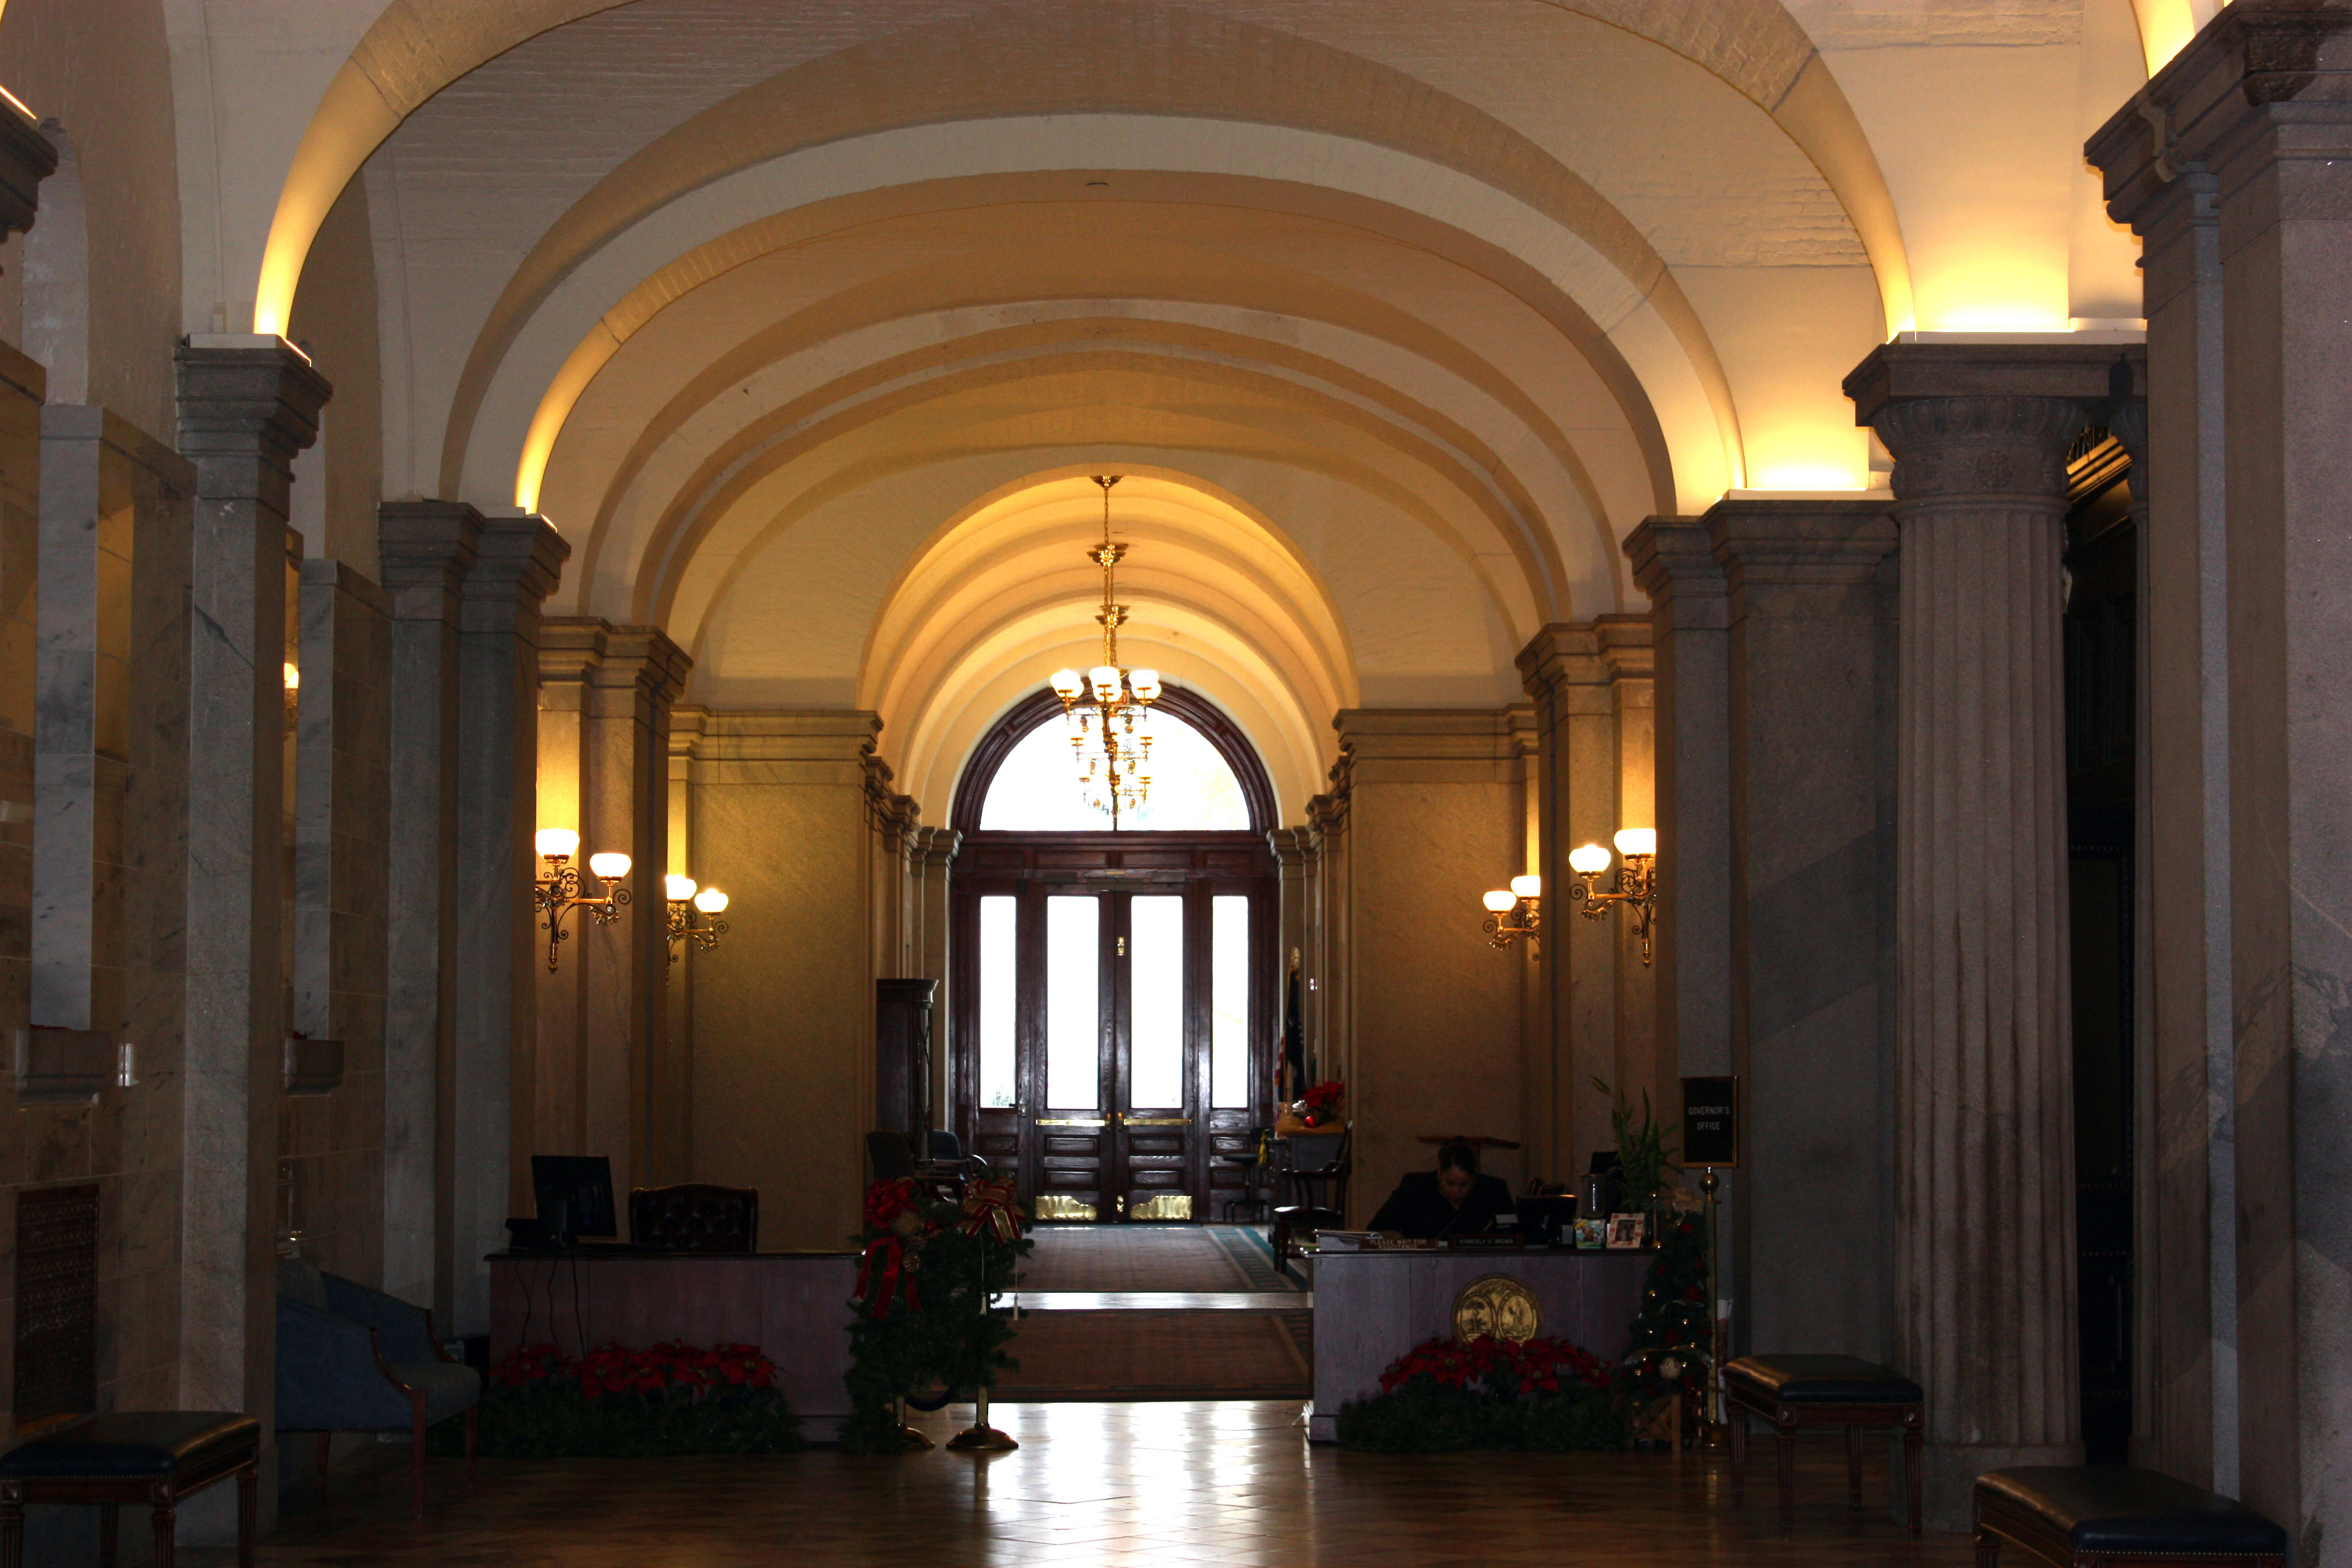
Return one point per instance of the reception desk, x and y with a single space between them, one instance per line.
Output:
794 1305
1372 1306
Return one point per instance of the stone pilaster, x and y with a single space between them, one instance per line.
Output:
342 876
246 406
515 566
2247 175
1811 797
1984 1074
784 1012
427 548
1593 1017
1437 815
606 694
931 853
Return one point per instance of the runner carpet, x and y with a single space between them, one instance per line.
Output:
1204 1257
1162 1355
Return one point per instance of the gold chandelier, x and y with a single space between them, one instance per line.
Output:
1108 707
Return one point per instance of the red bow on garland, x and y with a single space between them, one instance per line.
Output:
887 1265
989 1207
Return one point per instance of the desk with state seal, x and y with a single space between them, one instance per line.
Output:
1372 1306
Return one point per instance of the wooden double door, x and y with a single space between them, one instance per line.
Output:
1112 1037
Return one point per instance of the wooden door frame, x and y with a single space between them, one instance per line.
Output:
1199 866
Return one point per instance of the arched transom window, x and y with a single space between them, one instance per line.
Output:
1035 789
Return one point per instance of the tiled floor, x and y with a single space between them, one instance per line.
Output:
1112 1484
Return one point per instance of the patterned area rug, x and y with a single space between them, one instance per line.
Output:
1152 1257
1162 1355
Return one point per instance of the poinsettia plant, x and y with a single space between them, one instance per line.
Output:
1500 1368
1539 1394
1322 1103
620 1401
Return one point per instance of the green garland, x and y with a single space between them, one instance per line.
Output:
925 1322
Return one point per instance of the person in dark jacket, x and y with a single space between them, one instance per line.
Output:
1452 1200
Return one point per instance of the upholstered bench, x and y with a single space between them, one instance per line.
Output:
2079 1517
1794 1391
155 1457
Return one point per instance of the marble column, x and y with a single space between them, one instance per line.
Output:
1811 698
1673 562
1984 1076
426 549
487 1092
2241 176
342 876
247 405
606 695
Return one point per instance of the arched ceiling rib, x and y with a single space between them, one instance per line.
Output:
414 47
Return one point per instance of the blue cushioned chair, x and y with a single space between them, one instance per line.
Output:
354 1360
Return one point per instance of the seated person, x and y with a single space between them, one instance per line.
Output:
1452 1200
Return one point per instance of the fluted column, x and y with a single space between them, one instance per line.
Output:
246 406
1984 1081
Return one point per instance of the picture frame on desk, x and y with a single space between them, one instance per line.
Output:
1628 1232
1592 1234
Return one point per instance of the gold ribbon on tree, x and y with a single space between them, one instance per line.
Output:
989 1207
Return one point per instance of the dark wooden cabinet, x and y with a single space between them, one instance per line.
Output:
902 1059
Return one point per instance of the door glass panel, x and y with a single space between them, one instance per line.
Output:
1229 1065
998 919
1073 1002
1155 970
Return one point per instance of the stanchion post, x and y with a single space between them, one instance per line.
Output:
1717 1433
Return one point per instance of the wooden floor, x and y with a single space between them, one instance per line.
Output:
1232 1483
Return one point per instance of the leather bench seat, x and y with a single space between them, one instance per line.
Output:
134 1444
2120 1512
1822 1380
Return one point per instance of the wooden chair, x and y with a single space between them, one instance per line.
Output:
1312 1176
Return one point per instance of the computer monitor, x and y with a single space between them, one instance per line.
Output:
575 1192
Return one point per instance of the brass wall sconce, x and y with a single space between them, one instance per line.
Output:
561 890
686 904
1637 880
1514 914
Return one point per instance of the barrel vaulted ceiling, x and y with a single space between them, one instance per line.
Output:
806 323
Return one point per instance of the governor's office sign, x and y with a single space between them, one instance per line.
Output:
1710 1121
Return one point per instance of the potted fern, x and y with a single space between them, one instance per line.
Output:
1643 1154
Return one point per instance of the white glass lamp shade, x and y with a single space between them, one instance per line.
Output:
1068 684
557 843
1526 886
1145 684
1105 679
611 864
710 901
1499 900
677 889
1588 860
1637 841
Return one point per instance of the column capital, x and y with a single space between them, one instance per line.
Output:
2260 64
646 656
936 846
517 561
1628 645
1801 541
26 158
1295 848
1563 654
246 395
424 550
571 647
1673 562
1992 415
